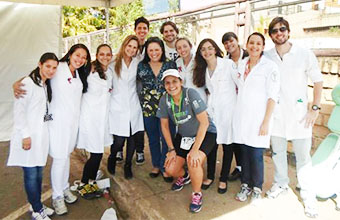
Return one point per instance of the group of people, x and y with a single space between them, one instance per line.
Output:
188 103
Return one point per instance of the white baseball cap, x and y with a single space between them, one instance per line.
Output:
171 72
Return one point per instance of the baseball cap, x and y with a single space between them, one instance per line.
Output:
171 72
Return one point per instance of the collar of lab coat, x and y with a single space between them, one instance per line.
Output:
293 50
242 66
219 67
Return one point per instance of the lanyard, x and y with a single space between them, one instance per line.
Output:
179 113
47 117
45 90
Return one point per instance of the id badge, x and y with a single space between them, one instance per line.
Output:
48 117
187 142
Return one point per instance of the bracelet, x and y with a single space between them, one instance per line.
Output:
172 149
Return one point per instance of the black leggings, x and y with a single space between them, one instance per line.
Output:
226 162
139 142
91 167
118 143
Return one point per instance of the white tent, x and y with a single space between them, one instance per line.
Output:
92 3
28 29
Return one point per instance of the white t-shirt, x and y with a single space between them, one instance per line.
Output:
170 53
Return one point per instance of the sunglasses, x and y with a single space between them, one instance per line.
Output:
281 29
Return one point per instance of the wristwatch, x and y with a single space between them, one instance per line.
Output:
315 107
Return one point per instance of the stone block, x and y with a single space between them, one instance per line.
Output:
327 108
325 120
319 120
329 80
320 131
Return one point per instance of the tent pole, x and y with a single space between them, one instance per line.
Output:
107 14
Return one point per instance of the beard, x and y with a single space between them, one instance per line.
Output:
280 42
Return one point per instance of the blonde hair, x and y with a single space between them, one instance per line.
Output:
120 54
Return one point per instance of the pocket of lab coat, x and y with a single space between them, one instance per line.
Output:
277 111
300 110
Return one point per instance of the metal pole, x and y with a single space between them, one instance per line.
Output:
107 14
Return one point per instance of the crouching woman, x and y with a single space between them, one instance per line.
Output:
192 143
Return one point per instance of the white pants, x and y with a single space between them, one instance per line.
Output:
60 172
301 148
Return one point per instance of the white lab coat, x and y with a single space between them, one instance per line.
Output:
228 56
262 83
222 98
94 124
29 114
65 109
125 108
296 67
186 73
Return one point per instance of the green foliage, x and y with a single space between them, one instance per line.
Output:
264 23
334 30
80 20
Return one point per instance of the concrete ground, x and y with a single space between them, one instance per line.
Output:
146 198
13 200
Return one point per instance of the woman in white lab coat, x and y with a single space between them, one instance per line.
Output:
236 54
185 65
68 85
215 73
29 144
93 125
258 89
126 119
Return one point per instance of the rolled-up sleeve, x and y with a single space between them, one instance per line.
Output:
313 69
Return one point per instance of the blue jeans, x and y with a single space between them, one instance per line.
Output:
157 144
33 181
252 166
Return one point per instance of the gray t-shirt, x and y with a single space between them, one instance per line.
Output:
186 120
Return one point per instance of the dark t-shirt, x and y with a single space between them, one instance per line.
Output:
186 120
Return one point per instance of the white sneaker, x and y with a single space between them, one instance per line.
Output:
40 215
311 210
48 211
59 206
256 197
276 190
69 197
244 193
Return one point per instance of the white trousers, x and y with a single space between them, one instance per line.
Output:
60 172
301 148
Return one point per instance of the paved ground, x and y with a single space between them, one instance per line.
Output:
146 198
13 198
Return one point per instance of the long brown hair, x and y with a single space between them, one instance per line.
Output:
200 63
97 65
85 69
119 57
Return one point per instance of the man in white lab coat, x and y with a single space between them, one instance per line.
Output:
293 119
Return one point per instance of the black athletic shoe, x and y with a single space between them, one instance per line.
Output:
119 157
236 174
140 160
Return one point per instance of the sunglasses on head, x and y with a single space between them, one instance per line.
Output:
281 29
